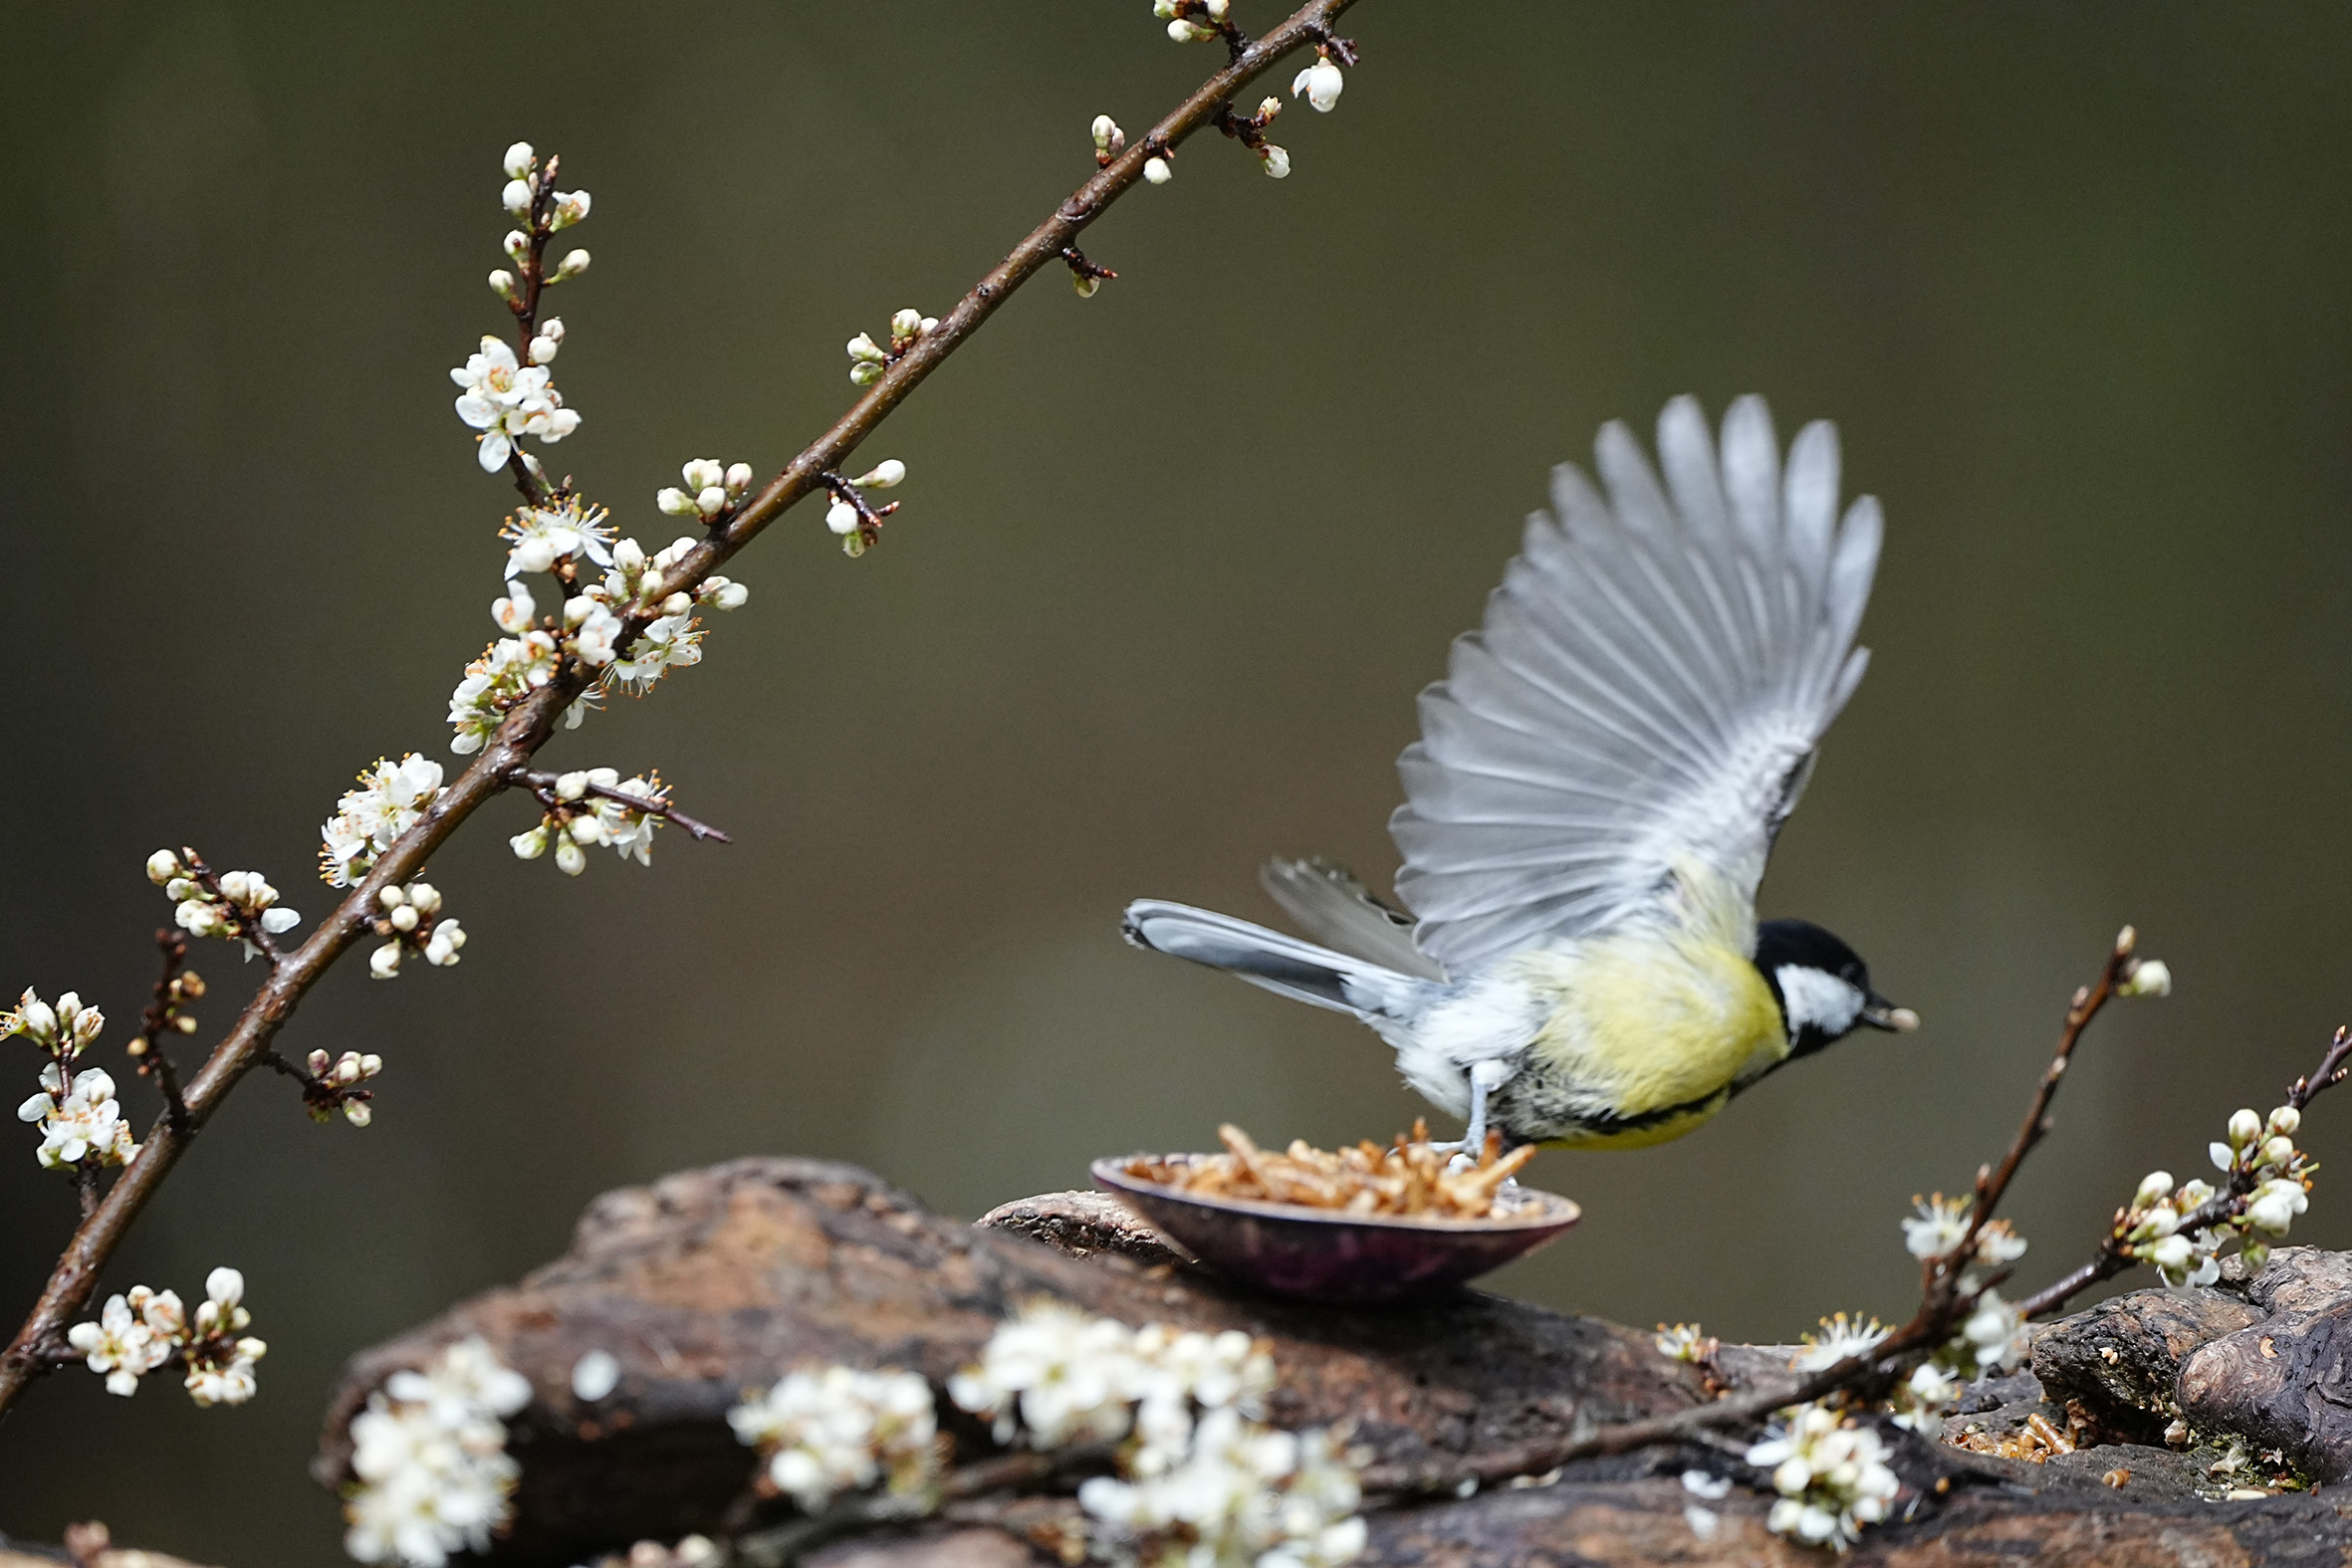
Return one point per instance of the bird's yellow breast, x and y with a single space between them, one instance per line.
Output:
1652 1028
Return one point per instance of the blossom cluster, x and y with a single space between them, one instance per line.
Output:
80 1121
137 1333
868 359
501 394
710 489
1831 1475
411 921
1193 21
1992 1336
367 820
506 399
429 1453
825 1431
1202 1482
2268 1181
584 813
335 1086
234 904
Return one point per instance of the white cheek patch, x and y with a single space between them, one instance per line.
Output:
1819 998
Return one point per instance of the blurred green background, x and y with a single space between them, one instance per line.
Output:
1172 565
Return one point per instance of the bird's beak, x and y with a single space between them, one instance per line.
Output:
1881 1013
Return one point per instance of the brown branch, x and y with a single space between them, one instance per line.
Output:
158 1018
529 725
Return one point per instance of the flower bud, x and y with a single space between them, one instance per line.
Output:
224 1285
842 517
316 1062
1188 32
573 265
236 887
732 596
163 866
35 1017
864 374
702 473
588 831
347 1070
569 858
502 283
384 963
738 477
1278 162
630 555
930 323
2148 978
1085 286
2284 1121
711 502
863 348
542 349
674 501
2170 1254
404 918
1322 83
1108 139
359 1115
518 160
676 604
2244 1125
2278 1151
1268 108
889 471
907 323
1157 171
570 787
516 243
516 198
1217 9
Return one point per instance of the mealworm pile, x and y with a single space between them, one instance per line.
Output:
1407 1179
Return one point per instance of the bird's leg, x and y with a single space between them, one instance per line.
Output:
1485 1077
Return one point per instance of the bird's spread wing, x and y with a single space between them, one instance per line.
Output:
1647 690
1338 909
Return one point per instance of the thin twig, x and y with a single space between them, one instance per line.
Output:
529 725
2335 1064
161 1019
543 784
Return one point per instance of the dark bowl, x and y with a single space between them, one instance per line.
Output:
1331 1256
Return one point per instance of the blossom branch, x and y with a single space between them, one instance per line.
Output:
530 722
547 787
163 1017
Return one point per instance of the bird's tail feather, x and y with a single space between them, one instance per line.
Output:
1285 965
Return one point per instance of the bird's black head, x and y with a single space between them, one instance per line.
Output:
1823 986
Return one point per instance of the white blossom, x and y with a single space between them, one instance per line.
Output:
1683 1342
1157 170
1838 1338
1320 82
1831 1475
507 400
507 671
1276 161
833 1429
429 1452
570 206
66 1028
841 516
1053 1374
573 265
368 820
519 161
889 471
1995 1333
1937 1230
540 538
80 1120
120 1346
1919 1403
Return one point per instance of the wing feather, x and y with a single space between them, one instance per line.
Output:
1648 687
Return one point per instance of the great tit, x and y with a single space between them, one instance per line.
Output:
1598 782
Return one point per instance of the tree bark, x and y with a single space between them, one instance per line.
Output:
711 1282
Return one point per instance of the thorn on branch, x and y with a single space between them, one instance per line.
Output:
1084 275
